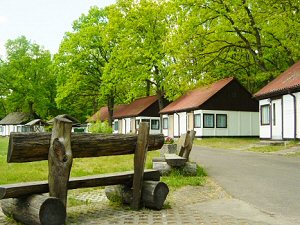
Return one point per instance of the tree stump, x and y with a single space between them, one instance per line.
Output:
35 210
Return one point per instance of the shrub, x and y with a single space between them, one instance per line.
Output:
100 127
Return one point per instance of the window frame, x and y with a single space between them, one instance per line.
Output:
151 125
197 114
116 124
217 125
167 123
261 115
213 120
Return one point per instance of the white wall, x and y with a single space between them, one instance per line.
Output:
298 113
199 131
288 117
152 131
180 123
165 131
238 124
264 130
286 120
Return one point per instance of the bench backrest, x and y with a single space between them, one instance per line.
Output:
28 147
185 144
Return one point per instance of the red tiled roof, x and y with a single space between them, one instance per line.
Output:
288 80
136 107
195 98
102 113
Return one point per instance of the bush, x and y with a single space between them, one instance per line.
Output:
100 127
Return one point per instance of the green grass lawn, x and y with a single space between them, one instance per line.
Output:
226 143
246 144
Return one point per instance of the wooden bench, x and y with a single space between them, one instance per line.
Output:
168 161
24 202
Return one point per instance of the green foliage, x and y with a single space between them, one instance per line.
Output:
100 127
135 48
26 81
253 40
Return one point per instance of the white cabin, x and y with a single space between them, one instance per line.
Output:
279 106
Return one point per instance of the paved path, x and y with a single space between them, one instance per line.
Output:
269 182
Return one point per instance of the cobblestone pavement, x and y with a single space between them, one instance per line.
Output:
181 208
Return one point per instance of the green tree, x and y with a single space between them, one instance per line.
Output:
26 81
139 58
253 40
81 65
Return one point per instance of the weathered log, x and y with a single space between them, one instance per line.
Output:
154 194
163 167
175 160
28 147
60 159
139 164
188 169
29 188
35 210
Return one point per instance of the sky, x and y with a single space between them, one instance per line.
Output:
43 22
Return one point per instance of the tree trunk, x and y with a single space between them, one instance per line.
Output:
60 159
28 147
35 210
154 194
110 107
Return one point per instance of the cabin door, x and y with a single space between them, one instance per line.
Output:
276 115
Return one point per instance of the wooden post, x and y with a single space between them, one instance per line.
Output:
189 146
139 164
35 210
60 159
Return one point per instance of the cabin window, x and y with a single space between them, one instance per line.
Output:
137 124
221 121
154 124
1 129
197 120
116 125
208 120
19 129
165 123
265 115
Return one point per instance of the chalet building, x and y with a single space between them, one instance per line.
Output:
146 109
15 122
222 109
279 106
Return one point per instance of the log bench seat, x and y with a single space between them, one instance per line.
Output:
166 162
26 203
